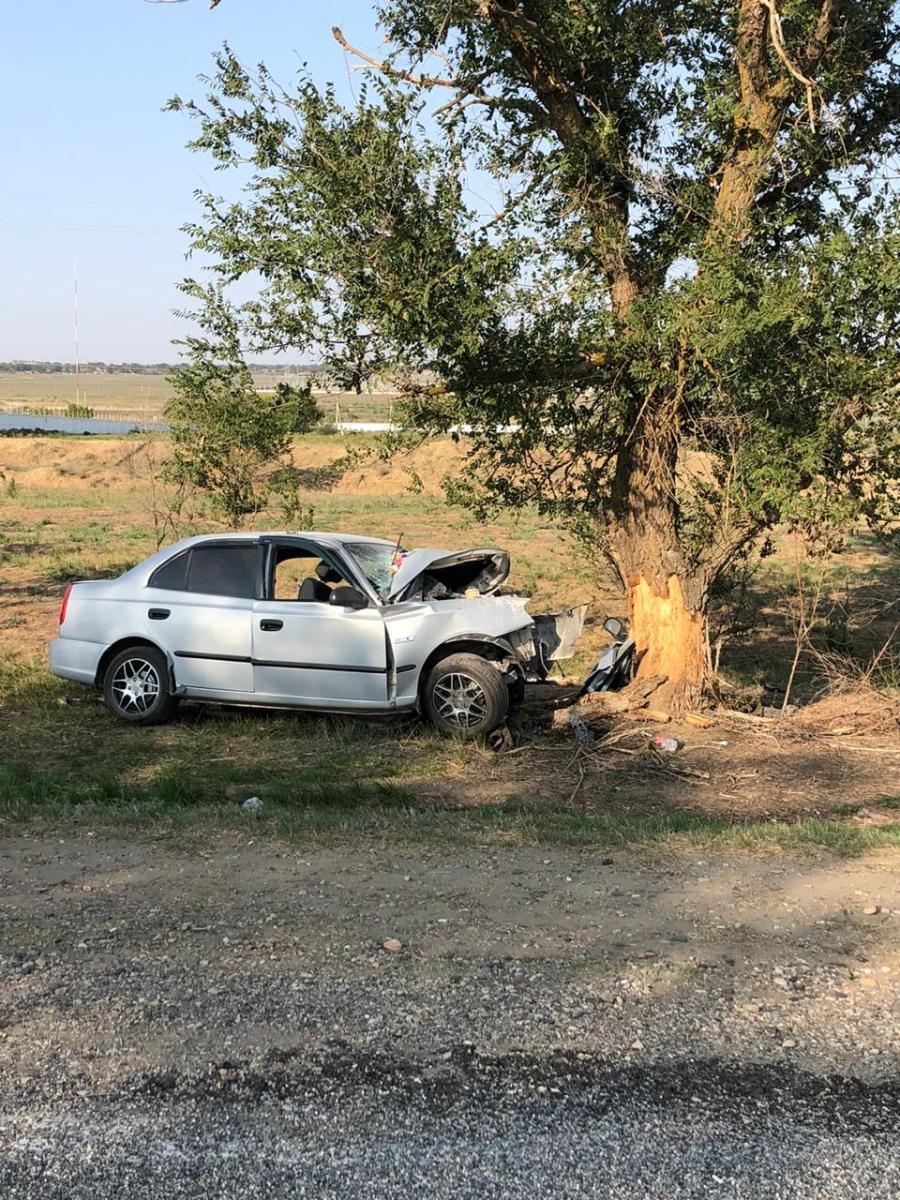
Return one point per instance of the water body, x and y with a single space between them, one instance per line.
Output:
76 424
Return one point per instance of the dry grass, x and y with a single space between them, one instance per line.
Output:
77 508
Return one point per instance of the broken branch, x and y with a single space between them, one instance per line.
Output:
378 64
777 37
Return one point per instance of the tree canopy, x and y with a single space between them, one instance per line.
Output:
647 251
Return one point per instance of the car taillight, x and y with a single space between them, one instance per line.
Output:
65 604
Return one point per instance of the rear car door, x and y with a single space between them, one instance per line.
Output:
200 604
311 652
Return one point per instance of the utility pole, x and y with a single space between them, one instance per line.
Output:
77 363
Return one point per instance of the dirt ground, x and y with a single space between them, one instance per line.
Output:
224 1017
427 968
125 956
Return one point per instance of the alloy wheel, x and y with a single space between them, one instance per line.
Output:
460 700
135 686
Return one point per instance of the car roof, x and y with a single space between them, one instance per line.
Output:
315 535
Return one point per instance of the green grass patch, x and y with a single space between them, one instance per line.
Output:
66 762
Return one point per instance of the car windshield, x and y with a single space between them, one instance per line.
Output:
375 560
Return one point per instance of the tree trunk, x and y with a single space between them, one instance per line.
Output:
666 599
668 634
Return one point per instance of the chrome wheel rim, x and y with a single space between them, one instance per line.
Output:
460 700
135 686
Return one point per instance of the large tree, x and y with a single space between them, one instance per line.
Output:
646 251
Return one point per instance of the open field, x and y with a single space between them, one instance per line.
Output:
147 395
76 508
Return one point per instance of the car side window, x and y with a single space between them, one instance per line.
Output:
172 575
301 574
224 570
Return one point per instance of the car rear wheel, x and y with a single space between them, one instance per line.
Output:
465 695
136 686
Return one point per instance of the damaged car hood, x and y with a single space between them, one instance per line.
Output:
439 574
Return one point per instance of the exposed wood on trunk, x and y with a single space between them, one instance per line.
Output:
668 634
656 715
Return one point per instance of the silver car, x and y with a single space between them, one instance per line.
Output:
322 621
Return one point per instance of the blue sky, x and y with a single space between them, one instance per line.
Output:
97 174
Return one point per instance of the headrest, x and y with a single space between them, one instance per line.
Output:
328 574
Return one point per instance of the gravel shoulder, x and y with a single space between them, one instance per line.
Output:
224 1019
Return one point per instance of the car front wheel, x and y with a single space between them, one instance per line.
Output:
465 695
136 686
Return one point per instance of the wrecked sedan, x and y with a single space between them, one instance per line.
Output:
323 621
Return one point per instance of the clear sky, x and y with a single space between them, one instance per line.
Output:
96 174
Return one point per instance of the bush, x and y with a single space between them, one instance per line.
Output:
232 443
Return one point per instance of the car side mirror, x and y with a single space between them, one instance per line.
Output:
345 596
615 628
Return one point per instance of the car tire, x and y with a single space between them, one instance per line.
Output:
136 686
465 695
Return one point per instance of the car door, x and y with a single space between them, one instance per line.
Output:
310 651
199 609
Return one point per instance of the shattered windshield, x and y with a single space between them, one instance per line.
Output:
376 562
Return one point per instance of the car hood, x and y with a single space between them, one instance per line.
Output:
485 570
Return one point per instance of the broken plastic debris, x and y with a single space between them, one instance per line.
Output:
251 805
501 740
583 735
668 744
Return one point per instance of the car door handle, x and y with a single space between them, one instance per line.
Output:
158 614
271 626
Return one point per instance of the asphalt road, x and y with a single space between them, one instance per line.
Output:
378 1127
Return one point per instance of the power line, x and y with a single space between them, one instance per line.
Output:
94 203
21 223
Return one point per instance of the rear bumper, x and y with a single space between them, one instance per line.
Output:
72 659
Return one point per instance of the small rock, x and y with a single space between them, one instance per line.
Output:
393 945
27 966
788 1044
637 1044
252 804
871 910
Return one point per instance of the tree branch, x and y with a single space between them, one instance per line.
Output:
762 106
428 81
777 38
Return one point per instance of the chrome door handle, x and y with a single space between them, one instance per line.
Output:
158 614
271 626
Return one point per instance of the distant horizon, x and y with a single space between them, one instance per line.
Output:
61 367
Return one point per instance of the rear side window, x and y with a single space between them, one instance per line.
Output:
172 575
224 570
212 570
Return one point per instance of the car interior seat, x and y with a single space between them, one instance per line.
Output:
316 588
